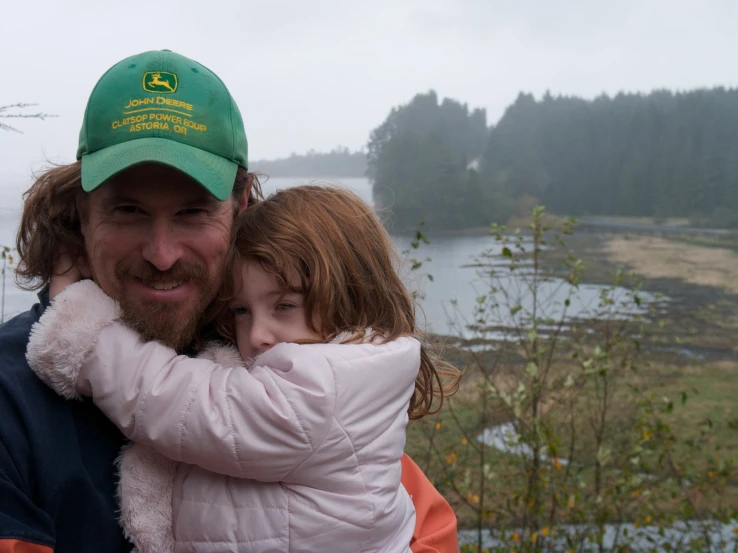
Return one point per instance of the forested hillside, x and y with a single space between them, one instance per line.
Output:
662 155
340 162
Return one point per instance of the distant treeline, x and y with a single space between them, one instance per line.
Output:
339 162
660 155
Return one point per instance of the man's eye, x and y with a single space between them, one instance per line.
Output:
127 209
193 211
240 311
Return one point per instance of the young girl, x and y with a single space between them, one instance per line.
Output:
298 447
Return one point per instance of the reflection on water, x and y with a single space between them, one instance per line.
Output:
454 278
451 296
505 437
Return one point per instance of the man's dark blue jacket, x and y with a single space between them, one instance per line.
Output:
57 473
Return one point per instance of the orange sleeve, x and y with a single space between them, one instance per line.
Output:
435 521
18 546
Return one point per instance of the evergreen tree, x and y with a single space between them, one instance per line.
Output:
421 159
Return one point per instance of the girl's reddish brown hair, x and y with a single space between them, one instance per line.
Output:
331 244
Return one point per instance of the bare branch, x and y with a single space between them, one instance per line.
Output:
4 113
4 127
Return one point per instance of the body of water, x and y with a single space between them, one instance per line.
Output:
454 278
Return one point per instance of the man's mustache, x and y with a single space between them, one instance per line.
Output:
180 272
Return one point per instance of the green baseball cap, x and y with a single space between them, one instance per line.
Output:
161 107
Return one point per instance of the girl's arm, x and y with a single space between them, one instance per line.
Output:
258 425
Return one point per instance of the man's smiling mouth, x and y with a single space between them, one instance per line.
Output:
168 285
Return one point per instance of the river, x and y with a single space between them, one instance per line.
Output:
453 277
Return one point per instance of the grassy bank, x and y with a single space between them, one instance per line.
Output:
447 445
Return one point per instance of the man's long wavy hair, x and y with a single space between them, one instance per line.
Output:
53 210
328 244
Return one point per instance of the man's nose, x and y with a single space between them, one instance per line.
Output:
162 247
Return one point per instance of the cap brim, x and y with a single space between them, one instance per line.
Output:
214 173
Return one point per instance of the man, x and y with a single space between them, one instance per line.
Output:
148 211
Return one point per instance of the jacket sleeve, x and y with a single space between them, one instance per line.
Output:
24 526
258 424
20 546
435 521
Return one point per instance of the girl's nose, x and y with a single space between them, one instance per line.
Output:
262 339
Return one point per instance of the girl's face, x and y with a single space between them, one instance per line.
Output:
265 314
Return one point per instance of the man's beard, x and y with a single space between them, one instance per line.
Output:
173 324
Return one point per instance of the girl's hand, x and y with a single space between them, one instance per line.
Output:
66 272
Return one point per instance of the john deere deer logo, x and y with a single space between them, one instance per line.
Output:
160 81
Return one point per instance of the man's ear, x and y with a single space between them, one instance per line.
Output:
243 202
82 203
83 264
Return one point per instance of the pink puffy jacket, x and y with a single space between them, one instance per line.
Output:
299 453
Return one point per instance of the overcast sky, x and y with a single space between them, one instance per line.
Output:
317 74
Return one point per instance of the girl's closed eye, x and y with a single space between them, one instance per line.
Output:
240 310
289 301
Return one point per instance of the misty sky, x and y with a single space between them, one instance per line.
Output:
316 74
